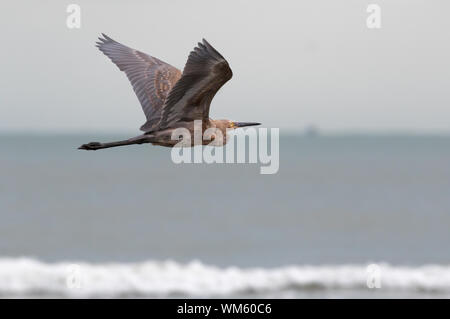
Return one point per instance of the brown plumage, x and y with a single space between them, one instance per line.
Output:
170 99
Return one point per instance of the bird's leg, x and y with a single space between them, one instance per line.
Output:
93 146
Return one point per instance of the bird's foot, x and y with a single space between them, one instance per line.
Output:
92 146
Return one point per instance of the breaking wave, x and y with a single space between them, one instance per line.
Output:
30 277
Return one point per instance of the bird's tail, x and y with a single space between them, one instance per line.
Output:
93 146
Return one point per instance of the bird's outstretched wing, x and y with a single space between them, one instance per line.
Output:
150 77
205 72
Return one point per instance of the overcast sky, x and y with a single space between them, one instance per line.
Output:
295 63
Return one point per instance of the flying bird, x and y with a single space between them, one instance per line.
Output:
170 98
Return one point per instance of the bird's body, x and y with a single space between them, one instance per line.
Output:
171 99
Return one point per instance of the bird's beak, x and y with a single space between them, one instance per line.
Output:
244 124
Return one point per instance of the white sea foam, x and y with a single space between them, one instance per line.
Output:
29 277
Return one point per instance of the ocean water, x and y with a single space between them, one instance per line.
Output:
127 222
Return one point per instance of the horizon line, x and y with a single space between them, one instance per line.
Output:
287 131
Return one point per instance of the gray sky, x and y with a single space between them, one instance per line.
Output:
294 62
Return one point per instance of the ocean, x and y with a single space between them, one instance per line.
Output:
128 222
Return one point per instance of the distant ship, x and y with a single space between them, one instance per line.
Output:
312 131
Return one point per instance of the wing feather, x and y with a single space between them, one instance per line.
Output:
151 78
206 71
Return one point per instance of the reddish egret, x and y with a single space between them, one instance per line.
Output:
170 98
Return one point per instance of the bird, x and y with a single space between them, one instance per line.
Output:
171 99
